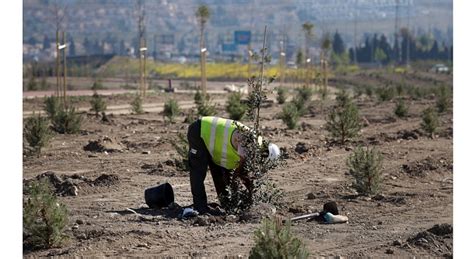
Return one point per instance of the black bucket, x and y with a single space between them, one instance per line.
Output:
159 196
331 207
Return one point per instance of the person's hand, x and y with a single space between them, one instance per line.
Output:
246 180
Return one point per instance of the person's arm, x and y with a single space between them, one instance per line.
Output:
242 174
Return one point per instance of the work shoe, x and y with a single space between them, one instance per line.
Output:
211 211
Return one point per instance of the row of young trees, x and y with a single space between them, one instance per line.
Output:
376 48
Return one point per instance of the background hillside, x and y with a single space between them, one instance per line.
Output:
171 25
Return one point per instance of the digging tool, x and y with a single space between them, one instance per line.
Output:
328 217
306 216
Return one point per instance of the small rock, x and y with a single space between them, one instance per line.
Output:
81 236
397 242
348 148
296 210
378 197
202 221
80 221
374 227
231 218
146 152
91 155
380 223
301 148
366 121
114 214
143 245
389 251
422 240
311 196
75 227
169 162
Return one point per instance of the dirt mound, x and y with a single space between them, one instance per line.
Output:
106 180
166 168
421 167
408 134
73 185
104 144
62 187
301 148
442 230
389 137
438 240
257 212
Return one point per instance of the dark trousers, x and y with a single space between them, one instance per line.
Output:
199 160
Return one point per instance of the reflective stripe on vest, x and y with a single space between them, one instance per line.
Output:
217 134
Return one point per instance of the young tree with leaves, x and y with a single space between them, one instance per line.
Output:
239 158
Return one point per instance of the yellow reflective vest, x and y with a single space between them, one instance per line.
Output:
217 134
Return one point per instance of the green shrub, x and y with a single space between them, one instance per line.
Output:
418 93
274 240
137 105
290 115
358 91
97 85
430 121
199 97
206 109
282 94
304 93
171 109
51 106
32 85
342 98
67 121
400 89
44 218
365 166
182 148
44 84
443 101
323 93
369 90
235 107
191 116
385 93
401 110
98 104
302 98
204 106
36 132
343 122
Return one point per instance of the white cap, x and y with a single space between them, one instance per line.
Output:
273 151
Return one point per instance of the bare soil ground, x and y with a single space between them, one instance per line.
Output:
417 190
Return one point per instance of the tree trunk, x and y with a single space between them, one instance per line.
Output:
203 64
